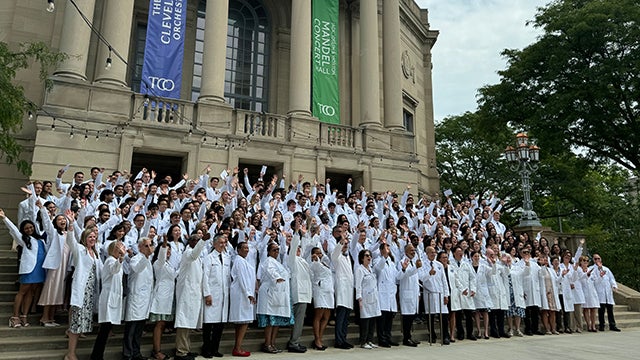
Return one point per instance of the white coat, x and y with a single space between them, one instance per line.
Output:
482 299
83 262
29 257
300 275
387 275
55 243
274 296
189 288
322 284
409 287
110 304
565 283
578 293
554 290
604 282
516 274
243 285
589 291
165 285
435 287
140 287
343 277
499 287
530 282
215 283
462 277
366 286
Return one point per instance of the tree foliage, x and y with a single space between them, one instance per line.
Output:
13 102
578 86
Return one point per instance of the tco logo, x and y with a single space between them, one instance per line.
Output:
162 84
327 110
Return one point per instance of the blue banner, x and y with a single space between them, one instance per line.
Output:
164 48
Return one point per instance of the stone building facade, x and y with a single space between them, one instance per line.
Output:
385 139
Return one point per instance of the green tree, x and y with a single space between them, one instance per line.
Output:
13 102
578 85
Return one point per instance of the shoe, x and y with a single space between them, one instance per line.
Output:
578 331
556 333
366 346
568 331
14 322
494 335
269 349
472 338
539 333
240 353
505 335
612 328
510 333
23 321
316 347
384 345
519 333
548 332
296 348
393 343
601 328
487 338
446 341
217 354
344 346
185 357
460 337
409 342
372 345
158 355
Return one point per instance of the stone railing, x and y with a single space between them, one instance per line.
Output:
161 110
340 136
260 125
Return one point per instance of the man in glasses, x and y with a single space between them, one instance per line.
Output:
605 284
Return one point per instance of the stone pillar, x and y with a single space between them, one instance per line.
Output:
392 76
214 51
300 66
369 65
74 40
116 28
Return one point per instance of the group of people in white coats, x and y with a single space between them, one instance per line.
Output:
196 256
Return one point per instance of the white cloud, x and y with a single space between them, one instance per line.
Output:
466 56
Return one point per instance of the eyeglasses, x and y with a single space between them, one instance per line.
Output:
596 258
276 250
367 255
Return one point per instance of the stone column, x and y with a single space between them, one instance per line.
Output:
369 65
214 51
74 40
116 28
300 63
392 76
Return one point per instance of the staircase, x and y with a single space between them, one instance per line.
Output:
37 342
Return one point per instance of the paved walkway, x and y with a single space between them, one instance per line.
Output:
585 346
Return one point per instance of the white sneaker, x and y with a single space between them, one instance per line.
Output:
510 333
372 345
366 346
519 333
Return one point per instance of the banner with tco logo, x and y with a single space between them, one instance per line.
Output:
164 48
324 32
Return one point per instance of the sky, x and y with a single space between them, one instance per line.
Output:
466 55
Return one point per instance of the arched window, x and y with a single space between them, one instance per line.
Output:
246 71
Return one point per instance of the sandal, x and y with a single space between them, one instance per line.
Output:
158 355
14 322
23 321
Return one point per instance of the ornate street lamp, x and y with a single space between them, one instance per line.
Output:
524 159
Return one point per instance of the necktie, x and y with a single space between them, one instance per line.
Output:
220 256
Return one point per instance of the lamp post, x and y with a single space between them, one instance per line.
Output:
524 159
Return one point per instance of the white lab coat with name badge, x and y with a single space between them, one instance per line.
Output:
409 287
530 282
366 286
274 296
110 309
165 285
482 299
29 257
189 288
217 277
499 287
387 275
140 288
83 263
465 279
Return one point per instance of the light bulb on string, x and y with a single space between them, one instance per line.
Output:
71 133
109 61
53 125
97 135
190 132
86 135
51 7
30 115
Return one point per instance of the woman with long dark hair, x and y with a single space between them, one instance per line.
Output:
31 271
